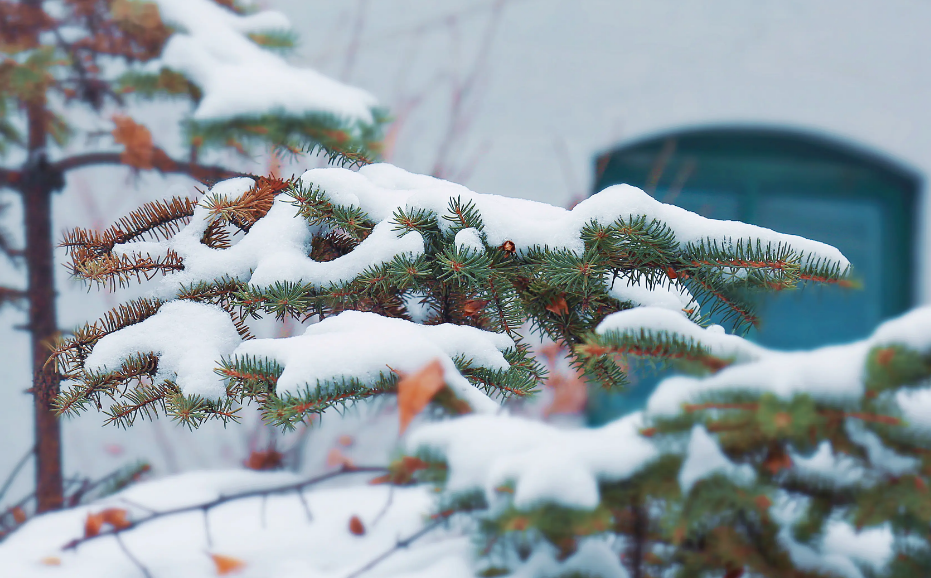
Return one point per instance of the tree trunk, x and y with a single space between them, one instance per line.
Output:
38 184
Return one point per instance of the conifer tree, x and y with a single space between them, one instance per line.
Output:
762 463
73 56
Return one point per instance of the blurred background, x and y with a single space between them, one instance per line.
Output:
811 117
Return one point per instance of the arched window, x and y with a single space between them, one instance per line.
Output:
800 184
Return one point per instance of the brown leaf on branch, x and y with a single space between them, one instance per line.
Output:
355 526
226 564
116 517
138 151
474 307
416 390
19 515
558 305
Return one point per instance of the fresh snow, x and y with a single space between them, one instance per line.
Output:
275 248
545 464
272 536
362 345
188 338
239 78
704 458
656 320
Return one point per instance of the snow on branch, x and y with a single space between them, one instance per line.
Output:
411 252
249 92
761 438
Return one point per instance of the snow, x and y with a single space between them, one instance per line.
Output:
704 458
545 464
188 339
656 320
239 78
275 248
273 536
379 189
828 467
840 547
593 557
664 294
362 345
469 240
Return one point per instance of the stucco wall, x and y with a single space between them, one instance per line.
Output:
565 79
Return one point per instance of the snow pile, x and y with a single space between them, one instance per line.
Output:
833 373
188 338
657 320
379 189
545 464
273 536
362 345
665 294
704 458
239 78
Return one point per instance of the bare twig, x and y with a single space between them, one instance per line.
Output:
142 568
230 498
399 545
384 510
16 469
203 173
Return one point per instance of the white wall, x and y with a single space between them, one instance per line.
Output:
568 78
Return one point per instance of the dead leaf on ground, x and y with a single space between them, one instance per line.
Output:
50 561
416 390
226 564
355 526
93 524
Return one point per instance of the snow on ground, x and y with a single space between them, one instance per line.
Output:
273 536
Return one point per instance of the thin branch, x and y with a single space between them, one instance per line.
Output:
142 568
230 498
16 469
168 165
399 545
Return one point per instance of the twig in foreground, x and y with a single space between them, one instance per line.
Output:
400 544
224 499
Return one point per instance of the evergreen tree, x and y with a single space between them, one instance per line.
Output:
762 463
66 58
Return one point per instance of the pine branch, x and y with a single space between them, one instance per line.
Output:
158 219
119 270
243 211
